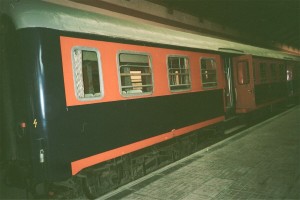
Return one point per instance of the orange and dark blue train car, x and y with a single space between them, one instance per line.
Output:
80 88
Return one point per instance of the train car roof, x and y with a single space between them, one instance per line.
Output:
67 15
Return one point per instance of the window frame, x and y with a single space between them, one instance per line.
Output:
119 73
282 70
187 60
264 78
247 81
274 71
100 73
216 70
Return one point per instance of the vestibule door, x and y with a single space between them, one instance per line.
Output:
244 83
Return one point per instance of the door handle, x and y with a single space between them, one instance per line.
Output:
250 91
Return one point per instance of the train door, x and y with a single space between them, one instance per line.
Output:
243 83
229 90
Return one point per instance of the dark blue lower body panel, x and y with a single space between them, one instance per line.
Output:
92 129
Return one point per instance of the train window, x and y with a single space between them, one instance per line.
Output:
86 70
274 71
208 72
254 71
179 73
263 72
282 72
243 73
135 74
289 74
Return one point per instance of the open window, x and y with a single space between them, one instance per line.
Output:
135 74
87 73
179 73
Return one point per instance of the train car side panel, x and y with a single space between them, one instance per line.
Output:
270 81
67 134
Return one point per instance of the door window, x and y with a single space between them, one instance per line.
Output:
243 73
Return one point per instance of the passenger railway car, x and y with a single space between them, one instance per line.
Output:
84 95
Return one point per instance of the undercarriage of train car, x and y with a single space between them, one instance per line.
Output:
105 177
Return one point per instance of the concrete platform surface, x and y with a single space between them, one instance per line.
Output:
262 162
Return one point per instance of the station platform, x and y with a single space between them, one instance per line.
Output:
262 162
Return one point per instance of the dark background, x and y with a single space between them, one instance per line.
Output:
276 21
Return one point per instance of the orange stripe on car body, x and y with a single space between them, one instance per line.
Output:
81 164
